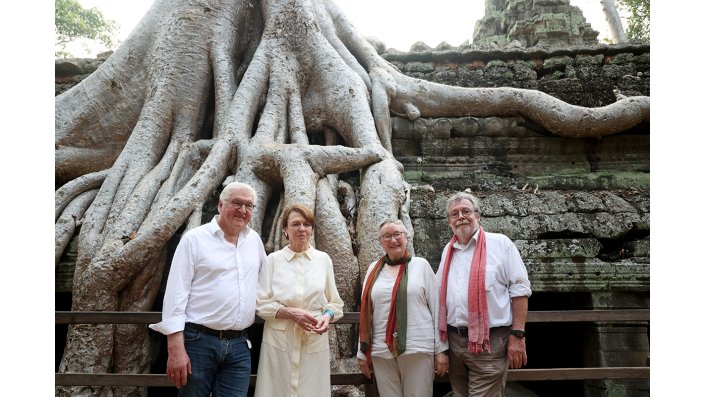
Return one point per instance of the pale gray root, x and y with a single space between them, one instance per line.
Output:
382 195
191 157
94 119
132 352
70 219
195 219
275 232
70 190
614 22
334 239
406 218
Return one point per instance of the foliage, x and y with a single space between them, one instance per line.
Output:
72 21
638 22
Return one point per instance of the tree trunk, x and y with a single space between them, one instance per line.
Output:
206 92
614 22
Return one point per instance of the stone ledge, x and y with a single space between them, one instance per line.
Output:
593 275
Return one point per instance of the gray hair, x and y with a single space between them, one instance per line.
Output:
233 186
459 196
394 222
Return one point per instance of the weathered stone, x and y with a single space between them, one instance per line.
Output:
465 126
630 85
534 226
585 202
622 58
419 46
445 75
592 275
404 128
594 60
608 225
496 205
614 203
557 63
559 248
541 23
436 128
544 203
67 67
423 67
640 248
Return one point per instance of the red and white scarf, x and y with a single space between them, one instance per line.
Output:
478 318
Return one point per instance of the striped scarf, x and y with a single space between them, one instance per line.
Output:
478 318
396 322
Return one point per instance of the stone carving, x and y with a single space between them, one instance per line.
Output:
533 23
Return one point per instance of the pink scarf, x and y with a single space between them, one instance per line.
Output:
478 319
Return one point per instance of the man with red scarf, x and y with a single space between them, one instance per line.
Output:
484 298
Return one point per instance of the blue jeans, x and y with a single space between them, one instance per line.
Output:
219 367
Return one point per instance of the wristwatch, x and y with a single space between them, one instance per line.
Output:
519 333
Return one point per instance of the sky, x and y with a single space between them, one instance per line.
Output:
397 23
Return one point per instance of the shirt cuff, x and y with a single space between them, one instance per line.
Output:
168 327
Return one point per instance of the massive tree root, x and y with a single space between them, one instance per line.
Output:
204 92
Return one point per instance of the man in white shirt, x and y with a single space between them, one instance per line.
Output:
484 297
210 300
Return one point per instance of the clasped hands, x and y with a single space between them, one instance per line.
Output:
306 320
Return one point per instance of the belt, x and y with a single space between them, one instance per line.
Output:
222 334
462 331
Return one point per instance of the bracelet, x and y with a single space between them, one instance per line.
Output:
330 313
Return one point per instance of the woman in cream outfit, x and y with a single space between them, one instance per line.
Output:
297 298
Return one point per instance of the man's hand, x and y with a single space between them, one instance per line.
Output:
322 324
178 365
516 352
365 367
441 364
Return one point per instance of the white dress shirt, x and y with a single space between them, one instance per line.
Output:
505 278
212 282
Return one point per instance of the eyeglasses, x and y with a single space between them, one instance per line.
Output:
396 236
465 212
237 205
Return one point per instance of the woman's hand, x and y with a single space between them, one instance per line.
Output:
365 367
300 317
441 364
322 324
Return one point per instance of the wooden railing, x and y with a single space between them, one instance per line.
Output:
544 374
